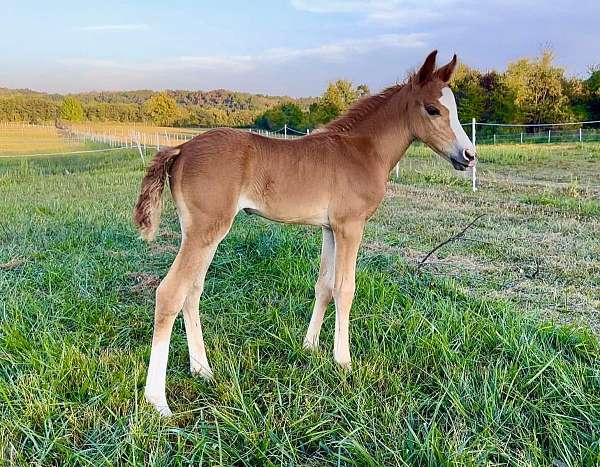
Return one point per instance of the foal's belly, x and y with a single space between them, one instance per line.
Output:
290 212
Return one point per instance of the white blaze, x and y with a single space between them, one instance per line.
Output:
447 100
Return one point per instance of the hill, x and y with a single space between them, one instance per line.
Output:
220 98
198 108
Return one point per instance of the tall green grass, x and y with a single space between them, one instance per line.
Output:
440 377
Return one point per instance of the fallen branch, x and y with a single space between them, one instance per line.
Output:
451 239
535 273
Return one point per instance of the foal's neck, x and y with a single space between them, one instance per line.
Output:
384 119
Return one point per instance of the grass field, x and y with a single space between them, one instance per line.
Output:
16 139
34 140
539 244
463 363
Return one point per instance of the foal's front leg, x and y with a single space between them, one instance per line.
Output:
347 241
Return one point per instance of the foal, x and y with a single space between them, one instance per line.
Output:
334 178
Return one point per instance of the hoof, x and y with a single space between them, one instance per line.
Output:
160 404
202 371
310 346
345 365
164 410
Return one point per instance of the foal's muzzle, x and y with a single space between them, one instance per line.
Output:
467 159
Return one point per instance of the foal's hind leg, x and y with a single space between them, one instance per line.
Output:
193 328
197 249
323 290
170 296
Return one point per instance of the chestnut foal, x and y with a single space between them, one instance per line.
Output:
334 178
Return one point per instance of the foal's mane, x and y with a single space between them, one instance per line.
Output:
362 108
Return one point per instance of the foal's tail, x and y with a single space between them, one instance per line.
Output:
146 213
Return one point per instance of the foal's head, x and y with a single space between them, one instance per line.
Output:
434 117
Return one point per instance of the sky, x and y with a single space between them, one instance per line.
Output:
286 47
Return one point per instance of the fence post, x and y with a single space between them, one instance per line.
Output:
580 136
473 169
285 131
549 135
494 139
521 137
139 146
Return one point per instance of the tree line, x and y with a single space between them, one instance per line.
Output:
530 90
180 108
336 99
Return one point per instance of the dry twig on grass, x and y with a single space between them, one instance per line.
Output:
451 239
12 264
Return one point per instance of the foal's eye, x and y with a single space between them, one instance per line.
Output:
432 109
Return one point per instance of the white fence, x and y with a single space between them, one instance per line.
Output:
482 132
144 139
530 134
122 137
536 133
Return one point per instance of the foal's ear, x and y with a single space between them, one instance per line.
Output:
425 73
445 73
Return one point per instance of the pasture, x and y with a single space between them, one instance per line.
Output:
486 356
21 139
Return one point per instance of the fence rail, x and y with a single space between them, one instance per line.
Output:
484 132
536 133
160 139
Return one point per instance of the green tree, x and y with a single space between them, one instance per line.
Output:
71 110
285 114
499 100
337 98
117 112
340 95
539 89
242 117
161 109
32 109
320 113
592 86
578 97
469 93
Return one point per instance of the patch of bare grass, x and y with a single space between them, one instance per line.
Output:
144 282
